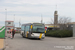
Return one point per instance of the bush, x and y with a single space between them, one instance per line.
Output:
59 33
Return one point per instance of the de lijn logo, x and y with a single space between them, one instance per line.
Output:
2 28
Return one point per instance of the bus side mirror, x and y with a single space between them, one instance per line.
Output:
31 26
45 31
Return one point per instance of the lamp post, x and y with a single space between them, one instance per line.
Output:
6 15
19 22
14 17
14 21
5 22
41 19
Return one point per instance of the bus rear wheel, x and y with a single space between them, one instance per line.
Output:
23 36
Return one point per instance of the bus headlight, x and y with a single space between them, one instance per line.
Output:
43 35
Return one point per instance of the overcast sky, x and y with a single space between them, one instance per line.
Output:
30 10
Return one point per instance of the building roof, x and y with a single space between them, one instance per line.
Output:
9 21
51 25
9 26
71 23
31 23
48 25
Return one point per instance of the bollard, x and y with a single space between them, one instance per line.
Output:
5 33
11 35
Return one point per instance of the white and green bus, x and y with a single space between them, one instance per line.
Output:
33 30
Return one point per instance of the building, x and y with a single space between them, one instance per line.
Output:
71 23
50 26
9 25
55 18
17 28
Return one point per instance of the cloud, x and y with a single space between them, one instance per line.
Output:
31 19
2 17
23 19
31 10
34 2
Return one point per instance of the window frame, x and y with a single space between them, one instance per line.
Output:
9 22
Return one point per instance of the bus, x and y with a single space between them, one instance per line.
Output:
33 30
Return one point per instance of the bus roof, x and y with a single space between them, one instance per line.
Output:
31 23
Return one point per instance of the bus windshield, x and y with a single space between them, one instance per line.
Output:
38 29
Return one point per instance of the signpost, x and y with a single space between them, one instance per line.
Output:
2 32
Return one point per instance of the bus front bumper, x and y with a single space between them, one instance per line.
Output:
38 36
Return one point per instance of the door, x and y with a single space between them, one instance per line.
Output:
24 30
27 30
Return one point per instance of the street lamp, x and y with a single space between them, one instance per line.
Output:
5 21
14 21
6 14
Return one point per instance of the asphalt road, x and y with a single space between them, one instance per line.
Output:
49 43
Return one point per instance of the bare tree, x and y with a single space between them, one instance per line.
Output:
52 21
63 22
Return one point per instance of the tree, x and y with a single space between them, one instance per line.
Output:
51 21
63 22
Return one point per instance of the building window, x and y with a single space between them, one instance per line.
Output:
8 28
9 22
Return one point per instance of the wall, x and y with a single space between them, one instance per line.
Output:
74 30
6 24
9 27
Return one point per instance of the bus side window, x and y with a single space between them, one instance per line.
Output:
22 28
30 29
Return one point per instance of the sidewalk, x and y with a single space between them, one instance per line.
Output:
1 44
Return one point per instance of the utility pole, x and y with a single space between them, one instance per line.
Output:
14 21
41 19
14 17
6 15
5 22
19 22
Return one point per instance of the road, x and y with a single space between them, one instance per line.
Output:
49 43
